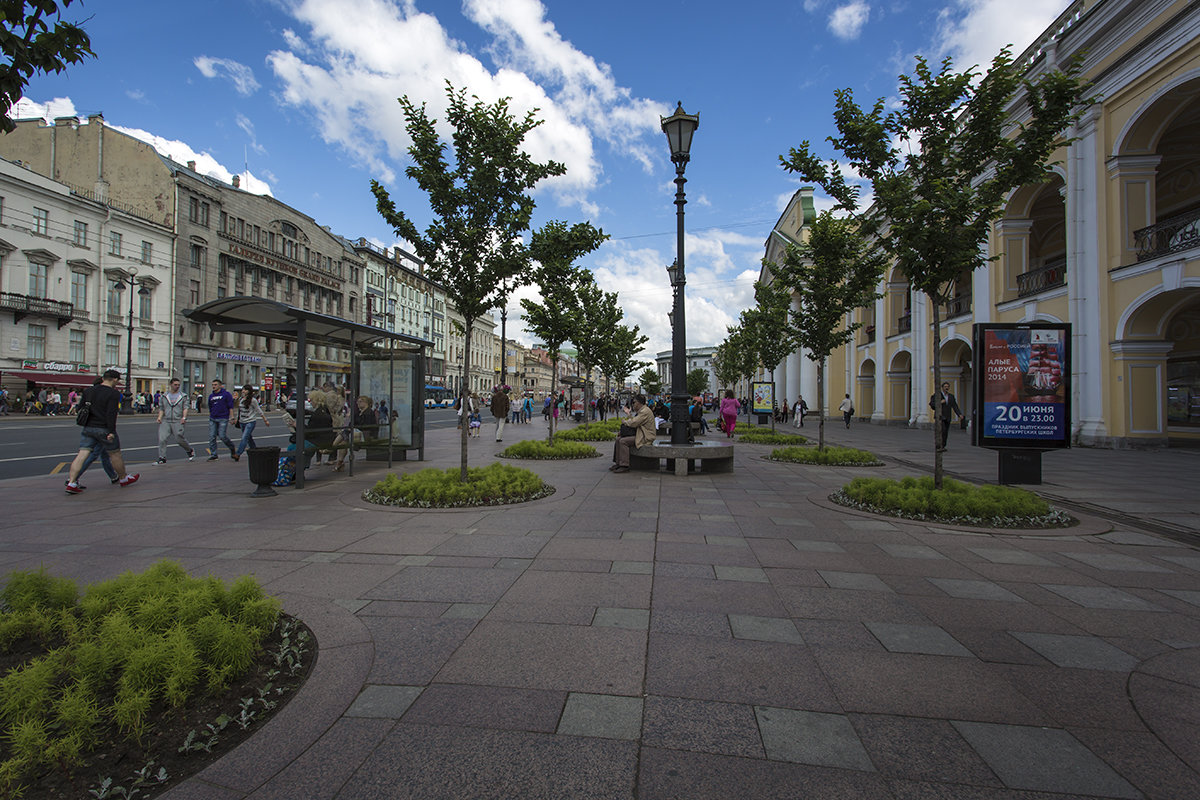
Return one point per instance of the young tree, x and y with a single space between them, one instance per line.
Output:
617 359
697 381
555 319
481 206
834 272
650 382
766 327
734 359
599 315
31 46
940 165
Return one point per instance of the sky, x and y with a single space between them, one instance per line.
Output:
300 98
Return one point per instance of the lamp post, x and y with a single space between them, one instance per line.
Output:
131 280
679 128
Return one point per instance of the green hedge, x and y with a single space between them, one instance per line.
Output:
760 436
593 432
495 484
956 502
830 456
540 449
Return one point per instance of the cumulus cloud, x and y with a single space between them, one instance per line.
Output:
972 32
241 76
206 164
31 109
847 21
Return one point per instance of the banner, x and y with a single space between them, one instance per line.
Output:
1022 373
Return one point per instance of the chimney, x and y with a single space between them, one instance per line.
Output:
95 119
61 122
192 166
237 181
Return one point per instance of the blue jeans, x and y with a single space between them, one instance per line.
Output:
247 436
217 430
101 453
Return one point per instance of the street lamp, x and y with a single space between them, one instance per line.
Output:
679 128
120 283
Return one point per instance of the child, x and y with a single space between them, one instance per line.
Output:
476 422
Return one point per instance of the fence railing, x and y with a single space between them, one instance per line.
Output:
1169 236
22 305
1042 278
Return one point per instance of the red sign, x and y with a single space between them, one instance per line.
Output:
268 382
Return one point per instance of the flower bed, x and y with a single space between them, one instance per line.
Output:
493 485
956 503
829 457
756 436
542 450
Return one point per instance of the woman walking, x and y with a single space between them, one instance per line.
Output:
729 412
249 414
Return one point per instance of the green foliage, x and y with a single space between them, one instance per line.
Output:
495 484
31 46
697 381
765 328
650 382
760 436
617 360
137 639
604 431
828 456
560 449
735 357
917 498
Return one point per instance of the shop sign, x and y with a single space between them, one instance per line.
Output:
309 275
239 357
55 366
1022 374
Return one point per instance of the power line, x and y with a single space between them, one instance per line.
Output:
706 228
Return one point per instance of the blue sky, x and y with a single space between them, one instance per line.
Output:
299 98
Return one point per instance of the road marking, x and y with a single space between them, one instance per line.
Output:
58 469
200 445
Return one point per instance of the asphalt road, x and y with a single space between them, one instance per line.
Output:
46 445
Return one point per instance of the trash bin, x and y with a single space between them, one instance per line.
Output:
264 469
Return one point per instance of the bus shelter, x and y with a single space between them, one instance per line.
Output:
386 367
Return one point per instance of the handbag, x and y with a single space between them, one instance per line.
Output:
626 430
85 409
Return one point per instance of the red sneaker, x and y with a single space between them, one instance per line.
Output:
129 480
74 488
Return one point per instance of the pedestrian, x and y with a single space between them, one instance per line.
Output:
98 452
220 403
364 424
847 409
949 405
100 429
3 402
527 410
514 412
172 413
730 408
641 425
546 407
249 414
499 406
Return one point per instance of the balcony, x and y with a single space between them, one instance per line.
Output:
1169 236
904 323
1038 280
868 334
958 306
23 306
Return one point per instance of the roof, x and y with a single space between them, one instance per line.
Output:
281 321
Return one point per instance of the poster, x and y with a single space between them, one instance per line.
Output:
762 398
373 382
1023 373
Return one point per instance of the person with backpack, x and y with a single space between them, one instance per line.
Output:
99 421
172 413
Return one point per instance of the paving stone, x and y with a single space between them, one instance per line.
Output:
921 749
1044 760
764 629
701 725
853 580
856 524
927 639
514 563
387 702
324 558
488 707
633 567
911 551
1082 652
744 574
1102 597
1009 556
633 619
468 610
1136 538
1185 595
680 774
726 541
1191 562
1114 562
690 623
975 590
601 716
810 737
814 546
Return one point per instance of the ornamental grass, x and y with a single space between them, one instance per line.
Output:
830 456
495 484
956 502
759 436
539 449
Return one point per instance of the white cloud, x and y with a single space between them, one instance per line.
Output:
247 127
360 55
846 22
972 32
241 76
206 164
30 109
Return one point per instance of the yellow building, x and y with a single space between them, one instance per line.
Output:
1111 244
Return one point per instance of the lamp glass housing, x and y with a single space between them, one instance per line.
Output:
679 128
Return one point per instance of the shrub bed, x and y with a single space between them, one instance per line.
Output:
493 485
830 456
542 450
126 675
594 432
956 502
758 436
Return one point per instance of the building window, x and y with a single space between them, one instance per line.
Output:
144 353
198 256
41 221
77 347
112 349
220 292
114 244
81 233
198 211
146 305
219 372
37 279
147 252
37 342
194 292
79 291
114 299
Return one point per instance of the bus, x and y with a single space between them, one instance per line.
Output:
438 397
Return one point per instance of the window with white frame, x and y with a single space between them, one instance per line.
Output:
143 353
79 282
77 346
37 279
146 305
112 349
114 244
114 298
147 252
81 237
36 342
41 221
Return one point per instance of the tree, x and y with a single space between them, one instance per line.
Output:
599 315
617 360
766 328
474 245
31 46
940 165
833 273
734 359
555 319
650 382
697 381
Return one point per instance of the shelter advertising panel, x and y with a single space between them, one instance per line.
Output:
1023 381
391 388
762 397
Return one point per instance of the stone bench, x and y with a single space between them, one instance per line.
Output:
711 456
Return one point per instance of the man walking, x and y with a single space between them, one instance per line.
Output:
220 403
172 413
949 404
100 430
500 405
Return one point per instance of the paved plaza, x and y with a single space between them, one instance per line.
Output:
650 636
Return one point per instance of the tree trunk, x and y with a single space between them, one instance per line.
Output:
821 404
772 400
466 428
553 402
937 392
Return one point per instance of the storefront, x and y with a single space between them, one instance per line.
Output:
36 375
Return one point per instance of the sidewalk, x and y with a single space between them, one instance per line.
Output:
642 635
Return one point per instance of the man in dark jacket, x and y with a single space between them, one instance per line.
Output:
500 406
949 406
100 430
220 403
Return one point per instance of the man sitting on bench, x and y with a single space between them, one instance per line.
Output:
642 423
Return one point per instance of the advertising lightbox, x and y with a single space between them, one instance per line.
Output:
762 397
1022 382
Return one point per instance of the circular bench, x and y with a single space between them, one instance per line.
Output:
706 457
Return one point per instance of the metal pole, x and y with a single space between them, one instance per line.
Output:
301 394
680 421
